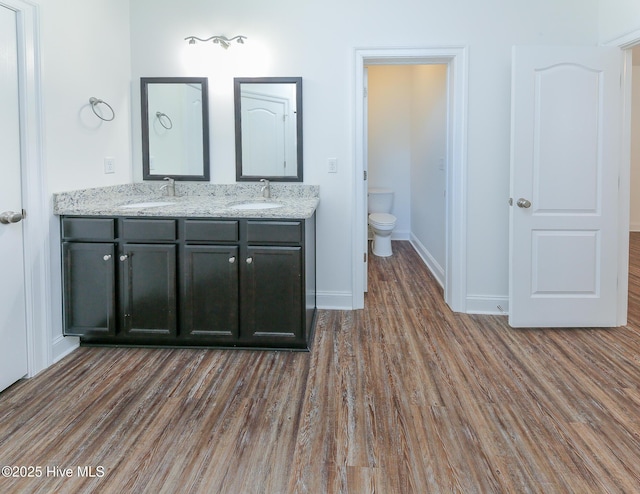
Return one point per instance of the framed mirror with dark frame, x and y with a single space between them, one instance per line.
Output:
175 128
268 121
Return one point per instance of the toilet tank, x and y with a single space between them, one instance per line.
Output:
379 200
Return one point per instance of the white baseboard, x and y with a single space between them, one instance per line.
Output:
334 300
634 227
492 305
400 235
429 260
63 346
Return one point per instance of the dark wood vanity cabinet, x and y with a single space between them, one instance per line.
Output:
122 289
210 281
245 282
273 286
148 284
89 274
189 282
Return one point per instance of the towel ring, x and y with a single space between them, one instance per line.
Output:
160 116
95 102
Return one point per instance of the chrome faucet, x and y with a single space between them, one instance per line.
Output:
266 188
169 187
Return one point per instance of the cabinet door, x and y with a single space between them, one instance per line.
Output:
148 290
272 303
89 288
210 293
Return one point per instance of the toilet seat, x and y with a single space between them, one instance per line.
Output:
382 219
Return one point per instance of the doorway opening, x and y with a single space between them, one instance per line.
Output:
406 129
453 164
632 60
629 175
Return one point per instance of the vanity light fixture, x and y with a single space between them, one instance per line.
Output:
218 40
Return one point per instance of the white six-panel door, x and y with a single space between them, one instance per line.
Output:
13 332
565 152
264 130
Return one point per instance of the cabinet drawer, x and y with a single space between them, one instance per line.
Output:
274 232
210 231
88 228
151 230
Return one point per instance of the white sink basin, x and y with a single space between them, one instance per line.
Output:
148 204
255 205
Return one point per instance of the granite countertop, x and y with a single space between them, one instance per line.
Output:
191 200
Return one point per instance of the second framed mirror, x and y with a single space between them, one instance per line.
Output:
268 121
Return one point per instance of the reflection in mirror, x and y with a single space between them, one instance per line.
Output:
268 114
175 128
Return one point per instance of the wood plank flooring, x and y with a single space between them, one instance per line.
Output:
401 397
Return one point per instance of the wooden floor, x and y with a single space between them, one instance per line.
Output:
401 397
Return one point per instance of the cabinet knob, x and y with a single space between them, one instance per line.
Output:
124 257
106 257
249 260
232 260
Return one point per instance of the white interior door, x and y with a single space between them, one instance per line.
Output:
264 122
13 332
565 159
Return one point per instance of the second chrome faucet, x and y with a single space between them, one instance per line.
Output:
169 187
266 188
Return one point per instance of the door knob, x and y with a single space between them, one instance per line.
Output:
10 217
523 203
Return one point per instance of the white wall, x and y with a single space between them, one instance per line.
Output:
389 149
84 52
617 18
428 164
317 41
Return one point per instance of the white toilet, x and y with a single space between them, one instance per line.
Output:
381 221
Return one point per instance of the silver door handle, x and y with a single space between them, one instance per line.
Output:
11 217
523 203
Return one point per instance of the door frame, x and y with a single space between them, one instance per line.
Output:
35 197
456 59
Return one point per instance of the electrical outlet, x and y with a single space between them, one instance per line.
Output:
109 165
332 165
